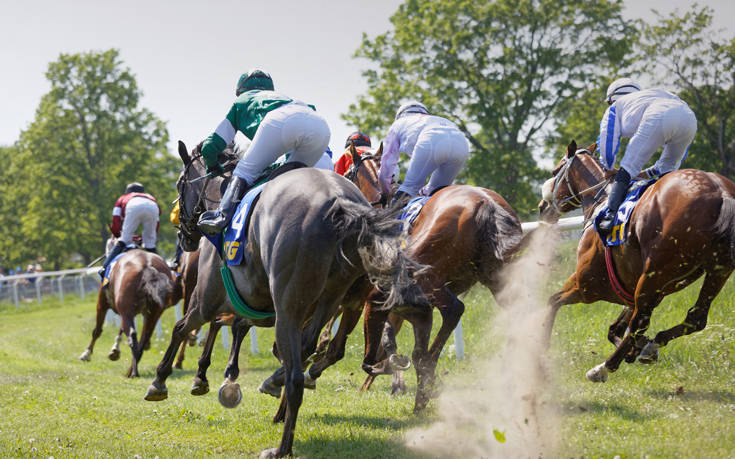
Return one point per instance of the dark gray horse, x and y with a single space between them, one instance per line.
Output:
311 236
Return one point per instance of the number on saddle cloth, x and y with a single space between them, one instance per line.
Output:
619 233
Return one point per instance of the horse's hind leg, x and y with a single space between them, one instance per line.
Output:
115 349
336 349
128 326
696 318
102 308
149 324
200 386
617 328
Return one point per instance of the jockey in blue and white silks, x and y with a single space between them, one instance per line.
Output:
435 145
651 118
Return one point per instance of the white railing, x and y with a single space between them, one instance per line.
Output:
21 287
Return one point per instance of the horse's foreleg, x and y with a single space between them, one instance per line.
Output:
200 386
229 392
618 326
115 349
451 309
422 360
102 308
696 318
336 348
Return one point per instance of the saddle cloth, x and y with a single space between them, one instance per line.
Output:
411 212
236 234
619 233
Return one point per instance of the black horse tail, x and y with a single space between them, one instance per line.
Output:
156 286
500 231
725 224
375 235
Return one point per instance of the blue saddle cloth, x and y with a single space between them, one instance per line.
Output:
411 212
619 233
236 234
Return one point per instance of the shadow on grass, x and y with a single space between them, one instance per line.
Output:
718 396
374 421
348 448
613 408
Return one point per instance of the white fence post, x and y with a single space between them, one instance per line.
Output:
253 340
38 290
15 293
159 329
81 286
61 289
459 341
225 337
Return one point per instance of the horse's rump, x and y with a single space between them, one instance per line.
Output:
725 224
499 229
157 286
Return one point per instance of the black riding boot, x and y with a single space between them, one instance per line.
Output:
212 222
401 198
616 197
151 250
117 250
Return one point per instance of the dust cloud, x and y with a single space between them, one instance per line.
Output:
502 408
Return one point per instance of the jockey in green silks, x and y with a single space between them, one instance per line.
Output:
276 124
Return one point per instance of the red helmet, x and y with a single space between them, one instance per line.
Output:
359 139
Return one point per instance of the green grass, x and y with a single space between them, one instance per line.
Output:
56 405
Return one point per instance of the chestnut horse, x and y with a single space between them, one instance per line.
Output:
463 235
187 278
140 283
682 227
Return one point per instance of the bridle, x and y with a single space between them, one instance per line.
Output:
352 176
575 197
188 219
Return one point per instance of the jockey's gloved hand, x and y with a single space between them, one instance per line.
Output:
215 169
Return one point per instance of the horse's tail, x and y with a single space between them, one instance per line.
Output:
725 224
500 230
378 245
156 286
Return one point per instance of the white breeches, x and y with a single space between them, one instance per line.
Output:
140 211
293 128
670 124
439 151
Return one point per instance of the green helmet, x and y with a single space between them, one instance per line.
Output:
254 79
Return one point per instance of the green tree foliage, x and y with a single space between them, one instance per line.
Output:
88 139
684 51
500 69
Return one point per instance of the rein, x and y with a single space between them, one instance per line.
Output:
575 198
352 176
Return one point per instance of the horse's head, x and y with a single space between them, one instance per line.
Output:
364 174
196 193
576 179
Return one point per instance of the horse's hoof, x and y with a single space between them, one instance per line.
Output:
309 382
229 394
267 387
397 390
178 366
269 453
86 355
598 373
156 393
199 387
114 354
649 354
399 362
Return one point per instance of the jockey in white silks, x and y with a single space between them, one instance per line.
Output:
435 145
651 118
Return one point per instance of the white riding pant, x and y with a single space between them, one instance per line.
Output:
293 128
439 151
666 123
140 211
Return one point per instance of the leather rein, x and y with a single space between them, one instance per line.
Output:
575 198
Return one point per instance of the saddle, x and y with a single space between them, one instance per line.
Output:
619 233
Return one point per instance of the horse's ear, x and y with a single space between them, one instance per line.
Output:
571 149
592 147
184 153
355 156
379 153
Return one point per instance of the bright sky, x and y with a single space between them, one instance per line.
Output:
187 55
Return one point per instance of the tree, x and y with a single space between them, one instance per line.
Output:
685 52
88 139
501 69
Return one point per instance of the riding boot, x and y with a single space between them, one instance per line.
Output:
401 198
616 197
215 222
117 250
151 250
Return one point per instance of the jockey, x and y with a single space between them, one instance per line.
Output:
650 118
134 208
276 124
435 145
362 145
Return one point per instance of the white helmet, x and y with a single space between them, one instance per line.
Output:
412 106
620 87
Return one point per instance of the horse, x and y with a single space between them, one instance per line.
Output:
682 227
311 236
464 235
140 283
187 278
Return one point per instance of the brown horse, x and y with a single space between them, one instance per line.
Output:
140 283
464 235
187 278
682 227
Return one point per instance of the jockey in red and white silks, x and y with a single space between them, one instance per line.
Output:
435 145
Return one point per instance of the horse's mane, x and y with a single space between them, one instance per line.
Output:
228 156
